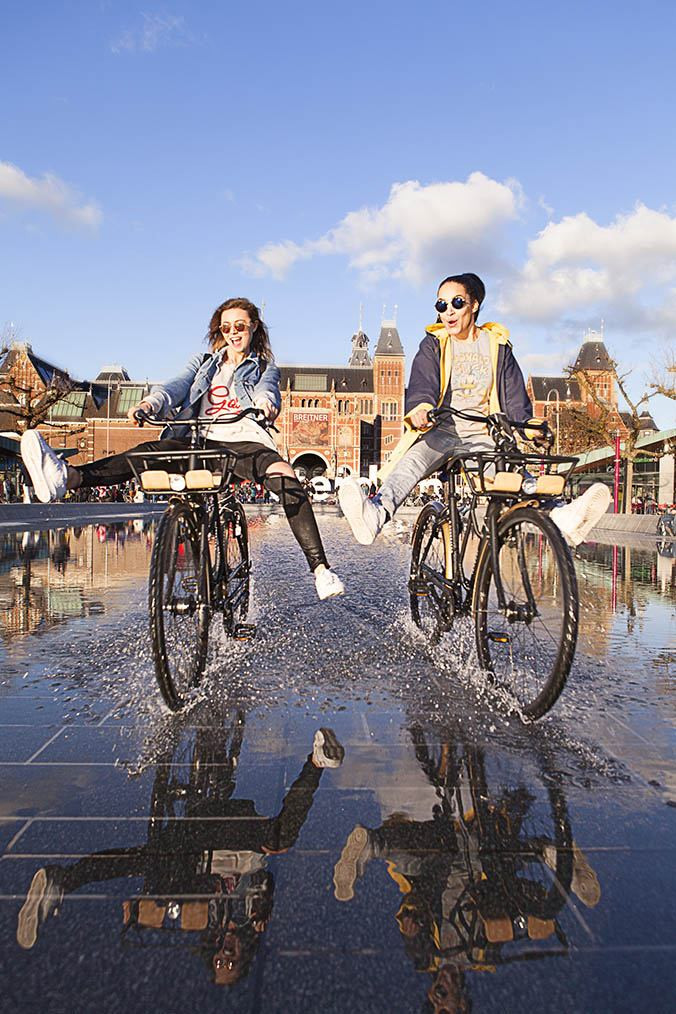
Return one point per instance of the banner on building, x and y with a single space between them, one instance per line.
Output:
309 429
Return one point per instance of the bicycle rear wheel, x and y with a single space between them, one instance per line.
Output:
235 570
431 607
179 612
528 648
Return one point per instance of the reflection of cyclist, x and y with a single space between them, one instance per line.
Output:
238 372
60 554
470 368
205 875
473 878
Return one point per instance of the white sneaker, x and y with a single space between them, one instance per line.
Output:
328 584
43 899
365 518
48 473
327 752
357 851
577 518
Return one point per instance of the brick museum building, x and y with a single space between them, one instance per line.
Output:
592 373
336 420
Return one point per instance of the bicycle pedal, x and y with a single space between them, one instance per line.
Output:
244 632
499 638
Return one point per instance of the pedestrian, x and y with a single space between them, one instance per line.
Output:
237 371
464 366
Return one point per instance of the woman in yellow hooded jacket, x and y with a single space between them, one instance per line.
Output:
459 365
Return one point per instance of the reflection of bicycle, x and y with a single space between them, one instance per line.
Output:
521 589
666 525
204 867
520 838
200 560
484 878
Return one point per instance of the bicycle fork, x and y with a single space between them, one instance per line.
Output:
514 612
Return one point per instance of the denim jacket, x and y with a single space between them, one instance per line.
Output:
180 398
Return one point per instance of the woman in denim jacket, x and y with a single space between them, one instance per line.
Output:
237 372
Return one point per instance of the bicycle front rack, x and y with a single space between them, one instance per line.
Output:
183 472
498 474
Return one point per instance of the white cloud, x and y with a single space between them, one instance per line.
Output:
419 230
154 31
623 270
546 363
47 193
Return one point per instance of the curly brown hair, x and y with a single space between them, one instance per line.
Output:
260 339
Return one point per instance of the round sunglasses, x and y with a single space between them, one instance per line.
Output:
238 327
457 303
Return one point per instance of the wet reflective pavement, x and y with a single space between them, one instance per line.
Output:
454 860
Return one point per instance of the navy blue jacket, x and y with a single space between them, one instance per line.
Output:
424 386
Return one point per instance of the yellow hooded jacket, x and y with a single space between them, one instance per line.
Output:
498 335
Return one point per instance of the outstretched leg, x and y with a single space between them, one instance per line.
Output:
281 479
427 455
51 477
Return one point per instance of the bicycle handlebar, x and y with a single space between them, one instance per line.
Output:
496 420
256 413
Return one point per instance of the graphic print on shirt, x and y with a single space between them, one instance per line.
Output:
222 401
471 376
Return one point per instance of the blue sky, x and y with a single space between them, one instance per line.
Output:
156 159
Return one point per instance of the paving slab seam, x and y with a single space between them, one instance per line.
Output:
569 903
65 818
12 842
112 856
45 745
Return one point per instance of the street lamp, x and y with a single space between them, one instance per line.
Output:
558 409
115 387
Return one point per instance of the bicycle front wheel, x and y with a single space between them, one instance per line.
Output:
179 612
528 646
431 608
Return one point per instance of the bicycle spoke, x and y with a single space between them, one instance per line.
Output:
428 597
528 645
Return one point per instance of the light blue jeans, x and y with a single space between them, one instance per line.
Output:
426 456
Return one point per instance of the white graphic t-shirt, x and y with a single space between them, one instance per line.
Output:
221 402
470 383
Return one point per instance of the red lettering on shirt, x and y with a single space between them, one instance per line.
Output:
222 402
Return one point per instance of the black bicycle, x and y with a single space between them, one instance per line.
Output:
200 559
516 845
520 588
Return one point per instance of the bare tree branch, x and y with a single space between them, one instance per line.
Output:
663 378
33 404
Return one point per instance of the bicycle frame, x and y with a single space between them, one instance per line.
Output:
224 511
507 458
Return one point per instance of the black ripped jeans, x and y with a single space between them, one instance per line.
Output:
253 461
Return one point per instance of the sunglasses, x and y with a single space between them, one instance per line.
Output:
238 327
457 303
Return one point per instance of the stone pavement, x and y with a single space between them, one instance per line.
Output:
455 859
